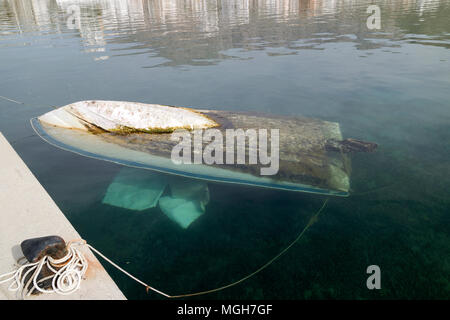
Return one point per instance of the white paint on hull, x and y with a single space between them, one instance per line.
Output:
120 115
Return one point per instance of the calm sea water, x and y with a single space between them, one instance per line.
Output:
308 57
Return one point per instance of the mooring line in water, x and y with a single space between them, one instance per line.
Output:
73 266
15 101
363 193
23 138
311 221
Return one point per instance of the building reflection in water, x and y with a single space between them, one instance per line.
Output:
170 28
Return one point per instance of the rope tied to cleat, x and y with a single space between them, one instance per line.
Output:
66 273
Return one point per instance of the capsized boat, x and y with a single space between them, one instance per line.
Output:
312 153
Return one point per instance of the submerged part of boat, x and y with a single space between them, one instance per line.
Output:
185 200
134 190
139 135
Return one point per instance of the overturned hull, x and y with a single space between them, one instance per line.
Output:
130 134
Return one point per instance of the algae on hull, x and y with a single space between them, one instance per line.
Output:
303 156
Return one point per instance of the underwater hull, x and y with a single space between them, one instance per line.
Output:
302 153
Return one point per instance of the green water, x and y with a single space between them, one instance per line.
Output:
309 58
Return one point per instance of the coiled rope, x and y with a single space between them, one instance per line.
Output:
73 266
65 280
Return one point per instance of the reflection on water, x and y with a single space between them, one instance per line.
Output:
314 58
170 28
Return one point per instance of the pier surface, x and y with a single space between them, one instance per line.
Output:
27 211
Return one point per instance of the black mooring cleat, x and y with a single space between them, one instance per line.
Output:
36 248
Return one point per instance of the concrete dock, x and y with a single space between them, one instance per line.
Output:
27 211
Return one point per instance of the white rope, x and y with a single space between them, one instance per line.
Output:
65 280
128 274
